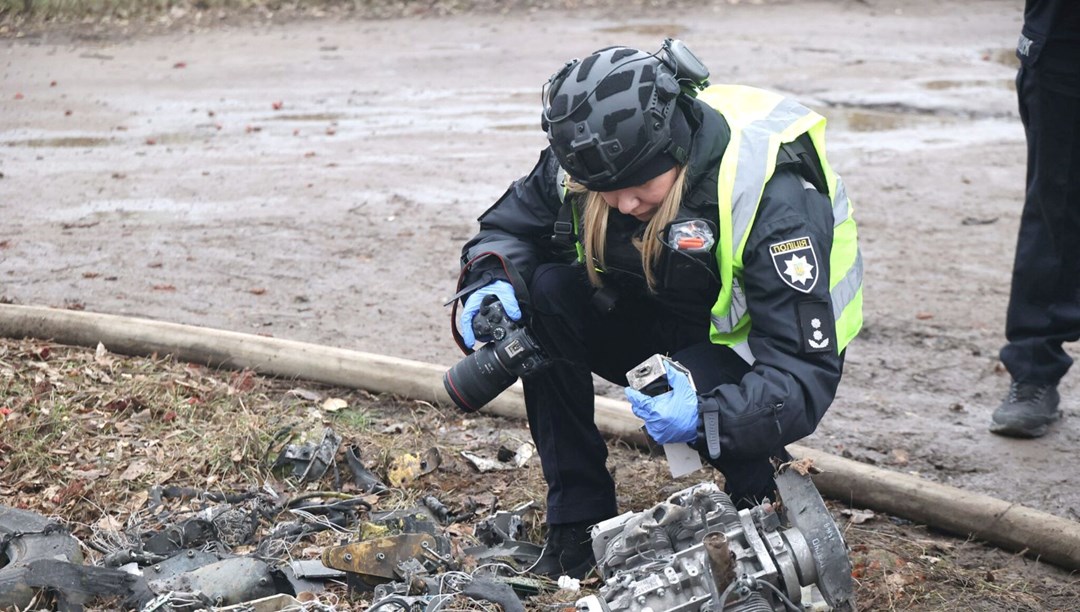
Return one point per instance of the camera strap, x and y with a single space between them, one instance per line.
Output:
510 273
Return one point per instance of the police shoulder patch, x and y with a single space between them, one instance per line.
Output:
816 326
796 262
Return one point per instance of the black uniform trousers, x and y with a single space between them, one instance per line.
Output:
559 398
1044 302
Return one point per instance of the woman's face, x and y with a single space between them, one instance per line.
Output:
642 201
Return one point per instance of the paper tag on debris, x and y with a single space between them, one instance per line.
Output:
682 459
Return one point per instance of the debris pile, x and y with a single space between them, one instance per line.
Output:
192 550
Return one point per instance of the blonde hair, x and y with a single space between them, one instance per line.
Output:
595 225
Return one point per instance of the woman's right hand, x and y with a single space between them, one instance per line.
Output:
503 291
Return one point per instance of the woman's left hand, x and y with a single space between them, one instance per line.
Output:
672 416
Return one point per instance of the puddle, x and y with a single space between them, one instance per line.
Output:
65 141
177 138
1005 56
309 117
863 120
147 210
517 127
656 30
903 133
945 84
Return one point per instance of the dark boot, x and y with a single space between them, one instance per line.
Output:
567 552
1028 411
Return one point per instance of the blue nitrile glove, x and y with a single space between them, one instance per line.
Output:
672 416
502 290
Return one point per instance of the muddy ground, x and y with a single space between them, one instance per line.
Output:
313 180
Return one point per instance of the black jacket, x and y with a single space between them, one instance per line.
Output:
1050 43
790 386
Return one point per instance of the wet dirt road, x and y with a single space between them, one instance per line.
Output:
314 181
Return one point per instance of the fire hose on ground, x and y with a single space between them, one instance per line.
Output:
1009 526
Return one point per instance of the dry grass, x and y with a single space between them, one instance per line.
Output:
86 435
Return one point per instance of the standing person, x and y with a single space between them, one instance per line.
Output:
703 223
1044 301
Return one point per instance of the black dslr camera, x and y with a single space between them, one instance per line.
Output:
478 378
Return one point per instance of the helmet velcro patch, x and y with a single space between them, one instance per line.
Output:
611 120
558 106
648 74
621 53
615 83
586 66
581 107
645 96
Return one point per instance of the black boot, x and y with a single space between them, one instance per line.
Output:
567 552
1028 410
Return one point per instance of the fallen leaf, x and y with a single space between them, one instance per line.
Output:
277 105
923 316
858 517
900 456
305 394
136 470
403 470
180 65
137 501
164 288
108 523
333 404
101 355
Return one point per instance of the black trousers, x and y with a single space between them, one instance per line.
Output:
1044 301
559 397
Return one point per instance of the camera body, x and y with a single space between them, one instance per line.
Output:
480 377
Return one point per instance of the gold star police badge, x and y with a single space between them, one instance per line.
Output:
796 263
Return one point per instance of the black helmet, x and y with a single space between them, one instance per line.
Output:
612 119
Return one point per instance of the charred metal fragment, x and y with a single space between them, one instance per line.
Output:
309 461
39 555
379 560
229 581
503 525
364 479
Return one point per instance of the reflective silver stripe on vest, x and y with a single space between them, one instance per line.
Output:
742 349
750 172
736 312
841 208
842 295
844 291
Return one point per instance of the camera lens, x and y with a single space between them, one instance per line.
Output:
477 379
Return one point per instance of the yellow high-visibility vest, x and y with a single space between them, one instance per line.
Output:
760 122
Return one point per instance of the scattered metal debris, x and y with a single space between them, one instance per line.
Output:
181 553
696 551
505 458
310 460
41 556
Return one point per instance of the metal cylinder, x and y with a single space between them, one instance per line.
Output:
721 561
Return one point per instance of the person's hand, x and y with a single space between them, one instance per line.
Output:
503 291
672 416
